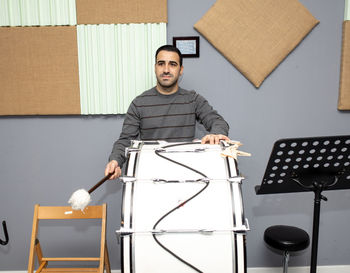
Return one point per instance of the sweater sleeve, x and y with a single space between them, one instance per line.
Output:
206 115
130 131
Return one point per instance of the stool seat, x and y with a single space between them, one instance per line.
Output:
286 238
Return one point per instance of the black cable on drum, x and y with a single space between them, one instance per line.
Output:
158 153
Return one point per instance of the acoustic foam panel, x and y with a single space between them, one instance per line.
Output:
254 35
39 71
344 89
121 11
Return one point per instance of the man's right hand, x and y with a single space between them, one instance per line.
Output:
114 169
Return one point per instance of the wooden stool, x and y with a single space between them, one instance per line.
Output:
286 238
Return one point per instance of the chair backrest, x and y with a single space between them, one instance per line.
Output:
67 213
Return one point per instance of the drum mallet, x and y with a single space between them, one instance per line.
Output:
81 198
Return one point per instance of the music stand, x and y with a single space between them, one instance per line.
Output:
308 164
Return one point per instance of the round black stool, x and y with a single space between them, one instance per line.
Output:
286 238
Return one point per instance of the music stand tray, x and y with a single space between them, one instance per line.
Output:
308 164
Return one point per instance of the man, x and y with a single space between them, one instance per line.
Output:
166 112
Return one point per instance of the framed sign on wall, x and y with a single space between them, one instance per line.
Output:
189 46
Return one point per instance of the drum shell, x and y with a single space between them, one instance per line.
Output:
201 231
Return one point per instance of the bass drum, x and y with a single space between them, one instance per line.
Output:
182 210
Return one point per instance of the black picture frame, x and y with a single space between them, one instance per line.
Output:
188 46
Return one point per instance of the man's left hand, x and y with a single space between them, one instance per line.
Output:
214 139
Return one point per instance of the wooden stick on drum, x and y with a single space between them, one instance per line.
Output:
232 151
81 198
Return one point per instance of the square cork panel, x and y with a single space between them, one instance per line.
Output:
255 36
39 71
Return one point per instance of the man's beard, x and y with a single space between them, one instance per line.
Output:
167 86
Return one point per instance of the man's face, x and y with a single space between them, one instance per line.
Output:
168 70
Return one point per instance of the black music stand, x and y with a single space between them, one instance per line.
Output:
308 164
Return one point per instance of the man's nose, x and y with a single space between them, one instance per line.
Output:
166 68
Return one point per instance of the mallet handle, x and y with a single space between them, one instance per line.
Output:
104 179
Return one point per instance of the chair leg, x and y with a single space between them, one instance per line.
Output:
285 261
107 264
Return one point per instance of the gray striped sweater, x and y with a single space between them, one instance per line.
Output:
154 116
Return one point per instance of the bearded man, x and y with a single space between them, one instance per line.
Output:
166 112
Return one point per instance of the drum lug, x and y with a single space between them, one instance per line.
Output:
244 228
127 179
123 232
131 150
235 179
136 146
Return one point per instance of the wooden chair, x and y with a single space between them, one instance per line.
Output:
66 213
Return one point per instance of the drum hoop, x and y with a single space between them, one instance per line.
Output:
130 172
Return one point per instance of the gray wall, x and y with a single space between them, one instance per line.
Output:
44 159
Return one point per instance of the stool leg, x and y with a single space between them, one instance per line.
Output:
285 261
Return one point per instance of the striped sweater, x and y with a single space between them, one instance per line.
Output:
154 116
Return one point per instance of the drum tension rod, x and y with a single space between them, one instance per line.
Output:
159 180
162 150
128 232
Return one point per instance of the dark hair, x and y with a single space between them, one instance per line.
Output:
169 48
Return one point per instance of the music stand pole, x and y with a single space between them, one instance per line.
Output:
318 188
